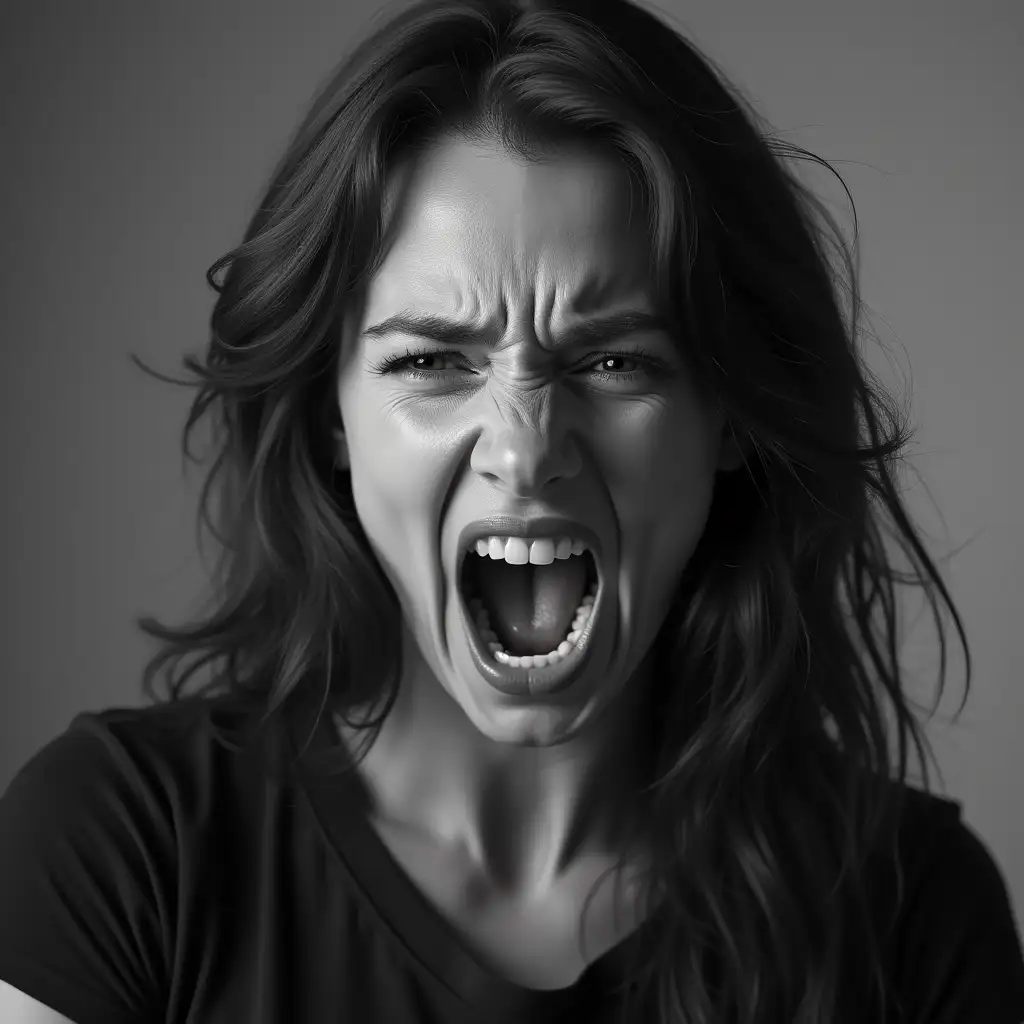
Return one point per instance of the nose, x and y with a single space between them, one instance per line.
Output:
523 450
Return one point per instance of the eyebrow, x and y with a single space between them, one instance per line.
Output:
451 332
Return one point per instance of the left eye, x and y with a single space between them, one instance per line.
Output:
426 357
615 358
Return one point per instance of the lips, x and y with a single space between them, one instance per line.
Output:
538 681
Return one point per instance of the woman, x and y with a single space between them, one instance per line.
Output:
546 680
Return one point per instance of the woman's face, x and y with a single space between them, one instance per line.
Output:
523 421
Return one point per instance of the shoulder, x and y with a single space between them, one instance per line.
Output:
954 943
103 833
122 751
944 862
113 790
937 846
154 771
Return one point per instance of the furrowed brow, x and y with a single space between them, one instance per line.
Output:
451 332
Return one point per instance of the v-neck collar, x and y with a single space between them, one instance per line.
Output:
341 804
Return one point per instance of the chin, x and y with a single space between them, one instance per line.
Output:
526 726
524 721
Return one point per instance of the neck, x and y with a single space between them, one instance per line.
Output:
521 816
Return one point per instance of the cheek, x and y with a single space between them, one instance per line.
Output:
401 467
399 473
659 467
654 455
393 453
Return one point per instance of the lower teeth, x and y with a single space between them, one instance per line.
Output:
564 649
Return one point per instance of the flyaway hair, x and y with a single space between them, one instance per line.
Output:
782 718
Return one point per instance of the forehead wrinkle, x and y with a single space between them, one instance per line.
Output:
517 268
551 307
490 280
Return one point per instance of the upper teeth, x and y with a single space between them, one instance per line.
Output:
518 551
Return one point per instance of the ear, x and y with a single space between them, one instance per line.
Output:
341 460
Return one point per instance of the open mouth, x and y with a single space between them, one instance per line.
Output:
529 621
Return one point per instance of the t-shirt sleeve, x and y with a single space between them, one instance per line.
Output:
82 887
960 945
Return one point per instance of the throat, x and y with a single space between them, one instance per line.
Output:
530 607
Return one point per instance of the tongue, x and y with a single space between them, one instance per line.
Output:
531 606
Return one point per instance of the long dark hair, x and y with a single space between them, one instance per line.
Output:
777 667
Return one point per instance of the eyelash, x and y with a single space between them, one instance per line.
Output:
393 363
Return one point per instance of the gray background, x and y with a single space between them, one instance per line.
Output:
136 137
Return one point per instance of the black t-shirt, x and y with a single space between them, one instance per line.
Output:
151 871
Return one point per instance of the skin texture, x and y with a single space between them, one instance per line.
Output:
519 791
